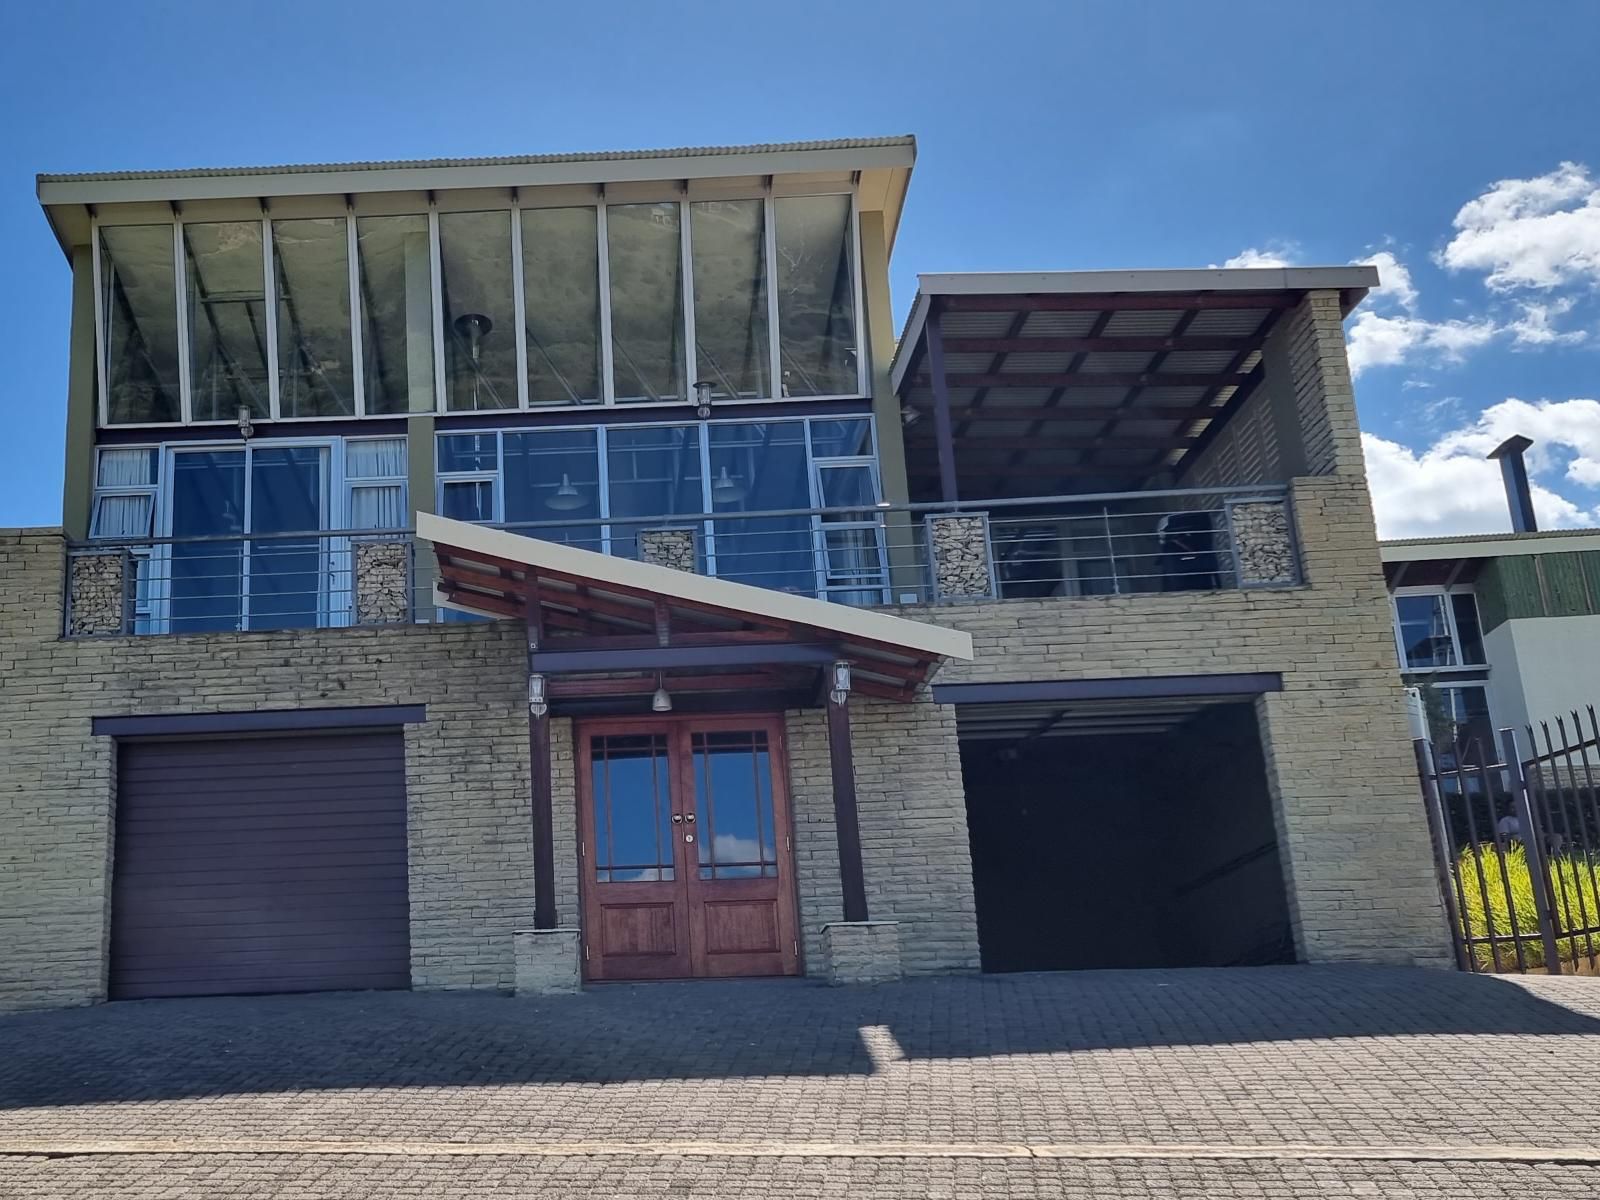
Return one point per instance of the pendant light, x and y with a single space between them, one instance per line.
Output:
566 497
727 490
661 700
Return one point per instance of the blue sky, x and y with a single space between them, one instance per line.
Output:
1052 136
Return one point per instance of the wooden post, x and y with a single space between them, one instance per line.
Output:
544 830
942 431
851 877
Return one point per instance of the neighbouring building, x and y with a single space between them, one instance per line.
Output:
1499 630
517 572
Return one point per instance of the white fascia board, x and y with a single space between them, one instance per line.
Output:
403 178
1511 547
909 338
669 584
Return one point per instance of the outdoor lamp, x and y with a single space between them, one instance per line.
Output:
537 704
661 700
727 490
566 497
840 690
702 398
246 425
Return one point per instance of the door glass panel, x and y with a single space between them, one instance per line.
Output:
762 468
733 805
287 495
632 809
654 473
207 577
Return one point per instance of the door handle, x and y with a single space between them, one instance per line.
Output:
677 818
689 817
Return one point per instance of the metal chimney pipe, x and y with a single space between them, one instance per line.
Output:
1515 473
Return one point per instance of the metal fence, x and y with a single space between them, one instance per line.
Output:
1516 841
1101 545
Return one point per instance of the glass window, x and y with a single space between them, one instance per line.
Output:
316 358
733 350
467 499
139 308
849 438
1469 633
125 494
756 468
480 329
646 284
816 296
561 300
1424 632
632 809
733 798
377 505
853 566
468 452
227 311
654 473
1458 719
396 289
206 588
554 475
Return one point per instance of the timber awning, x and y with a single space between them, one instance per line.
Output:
1039 383
610 630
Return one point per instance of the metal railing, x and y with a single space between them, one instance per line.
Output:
1516 843
1061 546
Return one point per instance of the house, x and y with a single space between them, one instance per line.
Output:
517 572
1499 630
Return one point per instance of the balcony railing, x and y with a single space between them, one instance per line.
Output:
1061 546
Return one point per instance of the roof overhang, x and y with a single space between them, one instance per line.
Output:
608 618
880 167
1493 545
1106 378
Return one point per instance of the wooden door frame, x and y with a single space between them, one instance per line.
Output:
678 729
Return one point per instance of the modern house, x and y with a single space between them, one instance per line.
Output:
506 573
1499 629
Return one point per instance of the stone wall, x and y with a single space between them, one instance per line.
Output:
958 556
382 582
673 548
97 591
1262 543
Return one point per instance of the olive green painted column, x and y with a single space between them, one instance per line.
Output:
420 384
82 399
904 557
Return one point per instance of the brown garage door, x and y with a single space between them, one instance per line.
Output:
269 864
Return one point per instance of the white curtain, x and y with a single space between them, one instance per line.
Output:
378 506
375 458
126 468
122 517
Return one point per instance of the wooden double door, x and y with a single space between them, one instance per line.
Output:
685 852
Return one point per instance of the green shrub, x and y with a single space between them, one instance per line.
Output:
1576 899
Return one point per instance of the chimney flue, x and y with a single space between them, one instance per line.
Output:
1515 473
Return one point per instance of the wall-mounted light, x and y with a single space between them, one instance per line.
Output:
661 699
566 497
702 398
246 425
537 704
839 689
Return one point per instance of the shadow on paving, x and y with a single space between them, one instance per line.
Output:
162 1049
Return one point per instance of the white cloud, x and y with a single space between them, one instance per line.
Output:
1394 279
1531 233
1281 254
1380 341
1534 327
1450 487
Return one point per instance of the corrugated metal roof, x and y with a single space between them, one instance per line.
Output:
505 161
1507 536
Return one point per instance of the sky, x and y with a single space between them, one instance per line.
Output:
1457 145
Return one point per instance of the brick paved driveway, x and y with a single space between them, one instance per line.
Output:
1276 1082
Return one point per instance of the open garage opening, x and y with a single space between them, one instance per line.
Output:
1122 834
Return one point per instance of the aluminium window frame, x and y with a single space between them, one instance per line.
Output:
516 202
1447 595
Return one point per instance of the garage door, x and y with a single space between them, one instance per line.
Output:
268 864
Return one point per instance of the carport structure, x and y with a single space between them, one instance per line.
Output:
1048 383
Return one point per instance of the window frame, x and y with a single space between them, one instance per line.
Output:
513 204
1446 595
